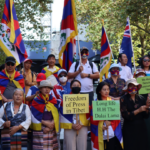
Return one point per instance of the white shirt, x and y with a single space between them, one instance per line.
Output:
30 91
125 73
25 124
86 83
51 69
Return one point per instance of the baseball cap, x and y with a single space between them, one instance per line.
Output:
27 60
40 77
60 71
51 55
84 48
10 59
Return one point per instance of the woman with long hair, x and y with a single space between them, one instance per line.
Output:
99 128
145 64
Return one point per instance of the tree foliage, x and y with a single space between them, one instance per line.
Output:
114 13
29 13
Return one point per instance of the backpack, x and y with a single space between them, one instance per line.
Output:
91 64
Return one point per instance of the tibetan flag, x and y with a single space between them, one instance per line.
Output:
105 56
67 49
126 46
10 35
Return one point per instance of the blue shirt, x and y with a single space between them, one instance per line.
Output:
66 88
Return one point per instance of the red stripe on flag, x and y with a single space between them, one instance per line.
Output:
18 40
103 40
65 2
105 52
127 28
16 24
68 23
6 12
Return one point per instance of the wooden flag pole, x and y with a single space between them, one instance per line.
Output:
77 123
107 135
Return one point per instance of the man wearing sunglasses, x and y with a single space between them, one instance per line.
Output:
10 79
85 73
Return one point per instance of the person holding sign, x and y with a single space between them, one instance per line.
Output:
45 119
115 82
134 110
105 134
15 119
75 126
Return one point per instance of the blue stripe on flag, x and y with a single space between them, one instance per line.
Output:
67 10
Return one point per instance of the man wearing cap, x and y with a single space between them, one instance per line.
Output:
33 90
10 79
85 73
30 77
63 87
51 69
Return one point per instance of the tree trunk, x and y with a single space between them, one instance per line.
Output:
142 46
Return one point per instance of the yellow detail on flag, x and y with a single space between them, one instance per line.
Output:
105 70
12 33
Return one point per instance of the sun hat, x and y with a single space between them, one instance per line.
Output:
115 65
60 71
28 60
132 81
52 79
140 70
45 83
40 77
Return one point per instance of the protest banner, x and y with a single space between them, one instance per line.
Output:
106 110
145 81
75 103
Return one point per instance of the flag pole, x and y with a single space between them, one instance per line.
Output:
79 48
132 47
108 40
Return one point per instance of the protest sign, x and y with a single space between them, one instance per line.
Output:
145 81
106 110
75 103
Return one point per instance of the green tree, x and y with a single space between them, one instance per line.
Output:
114 13
28 13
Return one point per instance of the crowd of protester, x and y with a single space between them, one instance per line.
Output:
31 106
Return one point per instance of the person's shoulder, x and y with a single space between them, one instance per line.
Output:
107 80
124 97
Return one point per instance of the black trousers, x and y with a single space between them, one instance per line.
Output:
113 144
91 96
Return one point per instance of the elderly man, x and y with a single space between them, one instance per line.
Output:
51 69
30 77
10 79
85 73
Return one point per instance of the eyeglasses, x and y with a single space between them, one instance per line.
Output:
63 75
145 60
10 64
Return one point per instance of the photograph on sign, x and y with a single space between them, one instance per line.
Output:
75 103
106 110
145 81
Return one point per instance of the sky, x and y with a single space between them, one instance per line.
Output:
57 11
